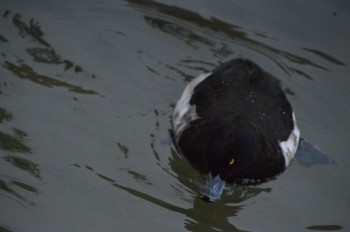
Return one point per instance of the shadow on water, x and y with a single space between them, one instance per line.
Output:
209 216
23 44
195 30
202 216
12 143
39 50
5 229
324 228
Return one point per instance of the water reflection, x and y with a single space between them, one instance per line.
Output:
202 216
137 176
182 33
14 142
40 51
324 56
12 145
195 30
124 149
4 228
324 227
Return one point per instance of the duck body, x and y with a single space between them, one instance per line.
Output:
235 125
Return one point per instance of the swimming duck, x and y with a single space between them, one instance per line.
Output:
235 125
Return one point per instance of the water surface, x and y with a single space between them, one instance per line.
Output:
86 95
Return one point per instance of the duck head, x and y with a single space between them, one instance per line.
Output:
232 154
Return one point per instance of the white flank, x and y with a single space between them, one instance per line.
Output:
184 113
290 146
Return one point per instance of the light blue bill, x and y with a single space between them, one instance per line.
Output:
211 190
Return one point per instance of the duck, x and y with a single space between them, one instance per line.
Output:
235 125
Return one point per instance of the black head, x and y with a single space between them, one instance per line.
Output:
232 153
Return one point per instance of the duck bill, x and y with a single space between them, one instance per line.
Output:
212 188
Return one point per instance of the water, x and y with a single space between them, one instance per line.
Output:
86 95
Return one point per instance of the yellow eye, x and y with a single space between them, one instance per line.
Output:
232 161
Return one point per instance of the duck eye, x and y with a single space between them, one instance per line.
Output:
232 161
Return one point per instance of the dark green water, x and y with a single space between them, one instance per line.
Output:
86 94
